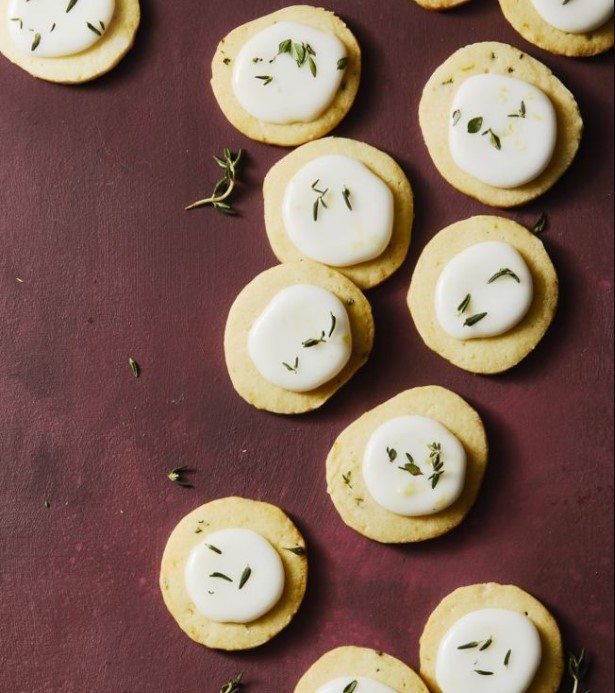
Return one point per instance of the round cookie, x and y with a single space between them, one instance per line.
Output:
525 19
491 595
87 65
366 274
271 523
294 133
440 4
346 486
360 661
493 354
250 303
502 59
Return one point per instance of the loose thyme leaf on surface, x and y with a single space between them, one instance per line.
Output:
233 685
540 225
134 367
177 476
225 186
578 668
504 272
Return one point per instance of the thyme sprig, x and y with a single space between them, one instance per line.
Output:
320 200
324 337
177 476
504 272
294 368
229 162
578 668
233 685
411 467
301 53
435 457
521 113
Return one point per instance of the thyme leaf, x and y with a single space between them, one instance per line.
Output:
245 576
297 550
521 113
475 125
472 320
540 225
411 466
504 272
507 658
483 673
213 548
456 117
266 79
342 63
233 685
346 196
292 368
71 4
494 140
36 41
463 306
347 479
177 476
221 576
91 27
392 453
351 687
134 367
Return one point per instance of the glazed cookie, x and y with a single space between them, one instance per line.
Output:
490 637
342 203
295 335
483 293
440 4
374 672
234 572
563 37
289 77
67 41
411 468
498 124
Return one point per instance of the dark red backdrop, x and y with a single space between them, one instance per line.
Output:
93 181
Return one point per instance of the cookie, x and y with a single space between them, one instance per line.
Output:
493 354
365 274
250 304
359 662
293 133
347 487
91 63
268 521
499 59
525 19
493 596
440 4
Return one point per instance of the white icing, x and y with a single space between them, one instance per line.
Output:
509 632
285 333
576 16
387 469
272 86
43 28
516 116
357 222
364 685
505 300
223 601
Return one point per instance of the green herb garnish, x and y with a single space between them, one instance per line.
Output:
320 200
521 113
266 79
36 41
213 548
134 367
221 576
292 368
392 453
469 646
504 272
233 685
475 125
351 687
463 306
297 550
411 467
474 319
225 186
493 139
245 576
226 61
486 644
346 196
71 4
312 342
435 457
483 673
342 63
456 117
347 479
540 225
18 19
91 27
507 658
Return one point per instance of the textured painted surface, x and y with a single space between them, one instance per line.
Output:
93 181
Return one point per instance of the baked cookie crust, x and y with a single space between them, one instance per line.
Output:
491 595
347 488
525 19
294 133
271 523
251 302
103 56
492 354
496 58
366 274
360 661
440 4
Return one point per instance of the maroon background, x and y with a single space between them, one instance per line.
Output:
94 180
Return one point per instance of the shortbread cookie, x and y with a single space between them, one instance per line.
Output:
482 650
477 354
440 119
350 324
112 39
346 481
440 4
276 87
525 19
342 666
234 572
328 207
